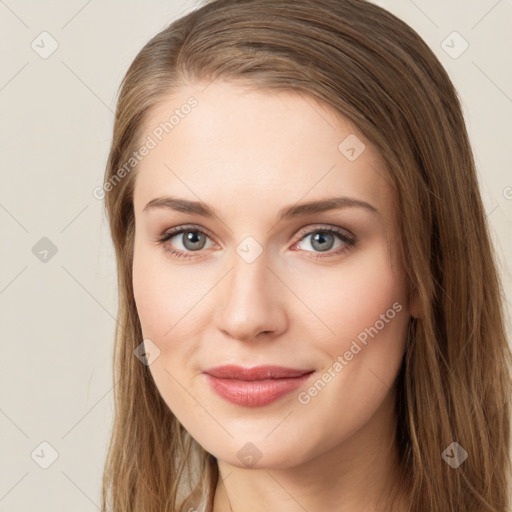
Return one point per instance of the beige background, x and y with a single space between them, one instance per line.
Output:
58 316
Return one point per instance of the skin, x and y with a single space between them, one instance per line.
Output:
249 153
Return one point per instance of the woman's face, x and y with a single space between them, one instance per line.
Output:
261 281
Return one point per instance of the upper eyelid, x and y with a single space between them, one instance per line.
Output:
327 227
178 230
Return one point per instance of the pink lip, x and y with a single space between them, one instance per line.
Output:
255 387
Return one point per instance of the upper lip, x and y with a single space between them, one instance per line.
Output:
254 373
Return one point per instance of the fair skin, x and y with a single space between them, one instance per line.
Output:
248 154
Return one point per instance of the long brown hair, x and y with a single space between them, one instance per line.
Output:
370 67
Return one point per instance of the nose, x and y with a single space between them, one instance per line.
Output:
251 301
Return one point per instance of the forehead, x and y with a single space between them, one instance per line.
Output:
248 148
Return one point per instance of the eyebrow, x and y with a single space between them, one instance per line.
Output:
303 209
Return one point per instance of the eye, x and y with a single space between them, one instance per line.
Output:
193 240
323 239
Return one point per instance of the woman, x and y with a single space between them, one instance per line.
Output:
254 368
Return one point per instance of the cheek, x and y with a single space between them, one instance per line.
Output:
364 307
148 290
163 293
170 302
158 291
165 311
346 300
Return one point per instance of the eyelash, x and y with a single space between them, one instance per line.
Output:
349 241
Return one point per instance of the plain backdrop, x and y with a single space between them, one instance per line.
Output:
58 295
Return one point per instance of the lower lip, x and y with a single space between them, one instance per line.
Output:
255 393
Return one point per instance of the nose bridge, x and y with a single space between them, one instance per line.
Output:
249 279
249 302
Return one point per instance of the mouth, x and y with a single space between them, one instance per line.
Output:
257 386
